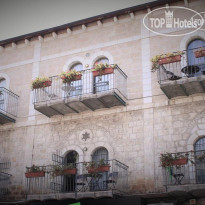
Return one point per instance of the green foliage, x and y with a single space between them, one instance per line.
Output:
155 59
39 82
35 168
69 76
99 67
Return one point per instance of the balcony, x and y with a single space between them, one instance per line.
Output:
89 93
85 183
8 106
184 77
186 179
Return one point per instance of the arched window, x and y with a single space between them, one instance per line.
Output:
100 153
192 59
77 67
199 149
102 60
69 180
102 83
76 86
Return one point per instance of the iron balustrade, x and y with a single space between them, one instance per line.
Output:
8 102
189 66
4 178
193 172
88 84
116 178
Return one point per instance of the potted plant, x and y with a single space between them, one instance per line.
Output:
103 166
41 83
102 69
199 52
91 167
165 59
70 169
57 170
71 75
170 159
35 171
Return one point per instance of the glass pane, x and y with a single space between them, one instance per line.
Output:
192 60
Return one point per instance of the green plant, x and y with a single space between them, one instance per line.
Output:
39 82
99 67
102 162
155 59
69 76
35 168
169 158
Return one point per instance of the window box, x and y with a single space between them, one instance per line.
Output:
103 168
199 53
35 174
72 75
181 161
171 59
41 83
105 71
70 171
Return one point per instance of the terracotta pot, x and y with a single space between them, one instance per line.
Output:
35 174
182 161
70 171
76 77
105 168
103 72
199 54
170 59
91 170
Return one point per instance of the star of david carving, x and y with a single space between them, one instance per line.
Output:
85 136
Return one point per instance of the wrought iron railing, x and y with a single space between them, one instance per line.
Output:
186 66
84 180
88 84
191 171
4 178
8 102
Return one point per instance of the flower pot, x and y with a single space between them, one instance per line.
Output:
170 59
199 54
47 83
181 161
91 170
103 72
67 80
70 171
35 174
104 168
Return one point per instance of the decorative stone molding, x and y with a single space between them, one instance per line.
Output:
99 55
73 61
6 77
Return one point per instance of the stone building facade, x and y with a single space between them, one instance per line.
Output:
145 123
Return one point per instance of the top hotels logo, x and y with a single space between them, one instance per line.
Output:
174 21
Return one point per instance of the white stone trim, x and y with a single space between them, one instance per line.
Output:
146 65
76 51
93 147
6 77
187 39
69 63
98 55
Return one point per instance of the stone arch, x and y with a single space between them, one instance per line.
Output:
6 77
101 54
70 148
196 131
97 145
188 38
73 61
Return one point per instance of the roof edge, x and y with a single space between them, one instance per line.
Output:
87 20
